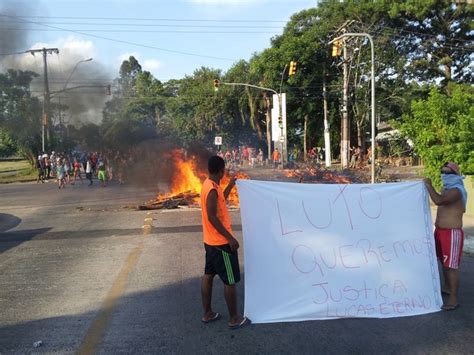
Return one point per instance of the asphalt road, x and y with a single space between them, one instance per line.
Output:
83 274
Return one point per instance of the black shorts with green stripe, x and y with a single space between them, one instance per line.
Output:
223 262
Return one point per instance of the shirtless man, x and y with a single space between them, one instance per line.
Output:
449 236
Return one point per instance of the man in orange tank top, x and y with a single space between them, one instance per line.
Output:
220 245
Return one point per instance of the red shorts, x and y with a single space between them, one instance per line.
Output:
449 243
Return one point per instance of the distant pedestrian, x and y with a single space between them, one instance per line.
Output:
101 172
67 170
260 157
220 245
47 166
89 170
449 236
276 158
61 174
355 153
252 157
77 171
40 169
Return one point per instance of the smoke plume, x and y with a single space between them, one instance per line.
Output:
73 82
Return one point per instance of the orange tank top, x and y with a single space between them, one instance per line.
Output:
276 155
210 235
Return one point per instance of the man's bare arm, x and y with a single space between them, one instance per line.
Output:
445 198
229 187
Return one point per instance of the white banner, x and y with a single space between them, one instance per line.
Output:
337 251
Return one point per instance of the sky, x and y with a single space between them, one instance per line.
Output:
170 38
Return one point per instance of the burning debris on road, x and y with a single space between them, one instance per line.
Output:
185 185
314 175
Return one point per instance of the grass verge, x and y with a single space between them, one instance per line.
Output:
16 171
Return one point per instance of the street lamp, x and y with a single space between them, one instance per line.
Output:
64 89
372 80
284 146
74 69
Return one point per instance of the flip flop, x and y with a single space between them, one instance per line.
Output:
245 321
217 316
450 307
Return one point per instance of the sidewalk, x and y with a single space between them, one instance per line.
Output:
468 227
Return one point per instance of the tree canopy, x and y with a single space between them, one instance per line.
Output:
423 60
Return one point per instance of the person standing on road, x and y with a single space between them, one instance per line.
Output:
47 165
61 174
449 236
101 172
77 171
260 157
89 170
220 245
276 158
40 168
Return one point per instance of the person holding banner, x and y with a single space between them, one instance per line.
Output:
220 245
449 236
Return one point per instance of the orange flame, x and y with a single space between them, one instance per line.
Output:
186 176
187 179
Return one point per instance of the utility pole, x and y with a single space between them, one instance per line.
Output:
327 142
345 124
372 84
46 98
345 121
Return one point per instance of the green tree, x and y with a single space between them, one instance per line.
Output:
436 39
129 70
20 113
442 129
7 144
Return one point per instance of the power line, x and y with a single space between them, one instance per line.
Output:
143 31
144 25
149 19
123 41
14 53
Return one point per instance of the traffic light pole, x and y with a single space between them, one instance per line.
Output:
280 110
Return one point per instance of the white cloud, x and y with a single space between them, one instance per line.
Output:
125 56
151 65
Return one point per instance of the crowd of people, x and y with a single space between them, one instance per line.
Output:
68 168
243 156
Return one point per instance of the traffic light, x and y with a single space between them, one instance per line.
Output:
216 84
280 122
109 90
292 70
336 48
